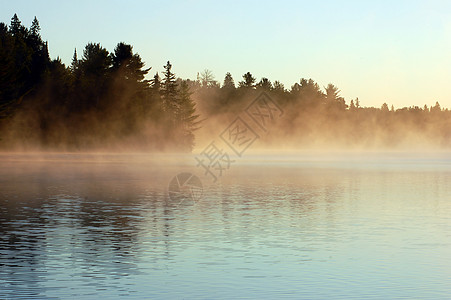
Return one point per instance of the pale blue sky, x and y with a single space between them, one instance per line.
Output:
397 52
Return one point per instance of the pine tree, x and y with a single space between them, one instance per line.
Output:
93 78
278 86
74 64
155 83
248 82
15 26
333 98
128 64
332 92
436 108
169 90
426 108
265 84
35 28
8 71
228 81
352 106
96 60
186 116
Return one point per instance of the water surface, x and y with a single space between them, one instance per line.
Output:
88 226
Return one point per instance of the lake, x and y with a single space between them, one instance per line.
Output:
337 226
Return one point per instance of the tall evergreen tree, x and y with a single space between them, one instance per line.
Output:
265 84
248 81
278 86
8 72
35 29
333 98
352 106
128 63
74 63
96 60
228 81
94 80
15 26
186 116
155 83
332 92
155 95
169 89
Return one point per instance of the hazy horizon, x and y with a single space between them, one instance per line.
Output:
393 52
225 150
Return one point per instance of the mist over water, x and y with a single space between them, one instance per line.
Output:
121 182
273 226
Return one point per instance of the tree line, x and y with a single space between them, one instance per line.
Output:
101 100
320 117
104 100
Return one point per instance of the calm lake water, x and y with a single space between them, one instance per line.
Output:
328 227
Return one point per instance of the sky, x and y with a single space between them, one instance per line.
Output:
396 51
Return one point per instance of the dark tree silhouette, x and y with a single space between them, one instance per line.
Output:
156 83
92 85
278 87
105 99
229 83
24 61
333 98
169 90
75 61
352 106
248 81
16 25
186 117
35 28
265 84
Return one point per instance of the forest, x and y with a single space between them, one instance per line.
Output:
111 100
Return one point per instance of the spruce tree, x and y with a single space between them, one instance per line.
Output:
155 83
186 116
35 28
169 90
228 81
15 26
278 86
74 63
265 84
248 82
